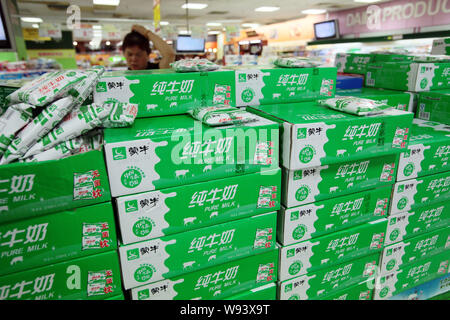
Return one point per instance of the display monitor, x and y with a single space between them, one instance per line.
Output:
326 30
186 43
5 42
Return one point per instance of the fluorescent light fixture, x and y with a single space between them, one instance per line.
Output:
194 6
255 41
213 32
267 9
250 25
35 25
164 23
214 50
31 19
97 27
75 43
106 2
243 42
367 1
314 11
108 43
184 32
213 24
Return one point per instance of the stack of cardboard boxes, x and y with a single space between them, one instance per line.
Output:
57 231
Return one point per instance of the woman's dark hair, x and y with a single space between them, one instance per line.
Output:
136 39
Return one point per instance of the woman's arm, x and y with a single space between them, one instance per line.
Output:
167 52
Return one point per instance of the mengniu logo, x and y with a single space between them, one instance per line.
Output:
131 206
119 153
144 273
299 232
401 204
247 95
302 193
143 294
142 228
384 292
101 87
295 268
394 234
307 154
408 170
423 83
301 133
132 254
390 265
242 77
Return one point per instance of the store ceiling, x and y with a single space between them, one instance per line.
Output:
227 11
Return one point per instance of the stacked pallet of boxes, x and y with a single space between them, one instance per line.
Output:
196 205
338 172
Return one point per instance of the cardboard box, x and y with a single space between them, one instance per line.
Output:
167 257
214 283
56 237
259 85
404 225
166 92
441 46
94 277
410 195
265 292
118 297
408 76
161 152
396 99
401 254
32 189
329 250
426 290
422 271
320 183
353 62
361 291
323 282
314 135
428 151
6 90
434 106
164 212
320 218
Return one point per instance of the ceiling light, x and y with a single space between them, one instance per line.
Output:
214 50
106 2
75 43
97 27
35 25
314 11
214 32
31 19
195 6
367 1
163 23
250 25
267 9
213 24
108 43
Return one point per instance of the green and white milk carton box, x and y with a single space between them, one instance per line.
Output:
314 285
361 291
353 62
314 135
396 99
161 152
214 283
265 292
166 92
323 217
168 211
441 46
408 76
428 151
305 186
434 106
415 193
404 225
427 290
403 253
329 250
413 275
167 257
31 243
31 189
259 85
94 277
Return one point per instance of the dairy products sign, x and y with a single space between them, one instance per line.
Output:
393 15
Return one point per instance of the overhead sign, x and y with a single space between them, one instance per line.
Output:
84 33
51 30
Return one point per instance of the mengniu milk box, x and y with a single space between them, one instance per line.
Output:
30 189
434 106
403 253
166 92
163 212
353 62
214 283
314 135
167 257
265 292
413 275
301 187
428 151
159 152
441 46
405 225
319 284
261 85
328 216
322 252
94 277
361 291
43 240
408 76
